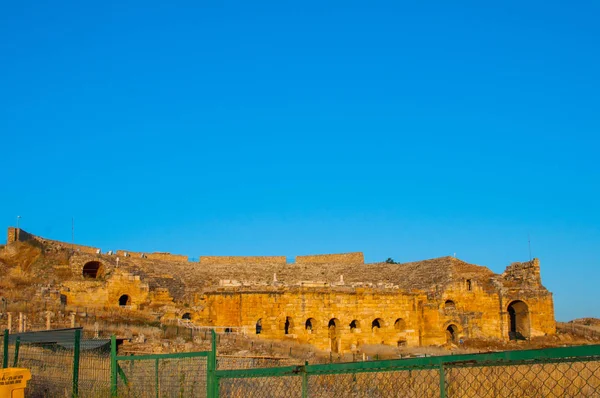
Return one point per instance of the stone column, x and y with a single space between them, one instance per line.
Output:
9 327
72 319
20 322
48 320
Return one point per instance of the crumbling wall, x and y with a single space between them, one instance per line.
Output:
154 256
527 272
356 258
20 235
242 260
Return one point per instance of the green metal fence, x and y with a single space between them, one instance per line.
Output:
554 372
79 369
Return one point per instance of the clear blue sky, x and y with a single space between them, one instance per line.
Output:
406 130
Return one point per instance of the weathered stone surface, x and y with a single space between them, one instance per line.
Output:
334 302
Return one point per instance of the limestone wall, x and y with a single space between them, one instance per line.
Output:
356 258
242 260
154 256
15 234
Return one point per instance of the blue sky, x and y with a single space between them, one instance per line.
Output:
400 129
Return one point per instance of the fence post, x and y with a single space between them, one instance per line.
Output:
113 366
156 375
17 345
304 380
442 381
76 347
212 383
5 359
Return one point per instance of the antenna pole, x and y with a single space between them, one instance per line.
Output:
529 244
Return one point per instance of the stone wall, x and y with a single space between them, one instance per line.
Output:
242 260
15 234
356 258
154 256
527 272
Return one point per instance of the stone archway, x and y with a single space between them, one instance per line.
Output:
92 269
186 317
124 300
288 326
334 334
258 326
452 333
376 325
310 325
518 314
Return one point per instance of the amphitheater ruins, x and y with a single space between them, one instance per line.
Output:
334 302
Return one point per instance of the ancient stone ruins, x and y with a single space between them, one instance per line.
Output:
334 302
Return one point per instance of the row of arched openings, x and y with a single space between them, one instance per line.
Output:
334 325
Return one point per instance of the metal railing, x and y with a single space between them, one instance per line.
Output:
553 372
78 368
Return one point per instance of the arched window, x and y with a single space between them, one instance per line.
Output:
518 313
450 305
259 326
124 300
310 325
334 334
289 325
63 299
92 269
451 333
400 325
354 325
186 316
469 285
376 324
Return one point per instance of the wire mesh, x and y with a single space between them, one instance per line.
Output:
51 367
224 363
94 373
262 387
400 383
165 378
559 379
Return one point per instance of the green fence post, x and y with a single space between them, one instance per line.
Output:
76 347
212 384
442 381
5 359
156 375
113 366
17 345
304 380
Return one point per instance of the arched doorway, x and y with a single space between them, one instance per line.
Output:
124 300
451 333
187 316
92 269
400 325
334 334
259 326
310 325
450 305
376 325
288 326
354 326
518 314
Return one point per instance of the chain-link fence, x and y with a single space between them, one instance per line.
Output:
165 376
554 372
61 363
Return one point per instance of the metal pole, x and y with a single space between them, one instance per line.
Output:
442 382
304 381
17 345
5 359
76 347
113 366
212 384
156 376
